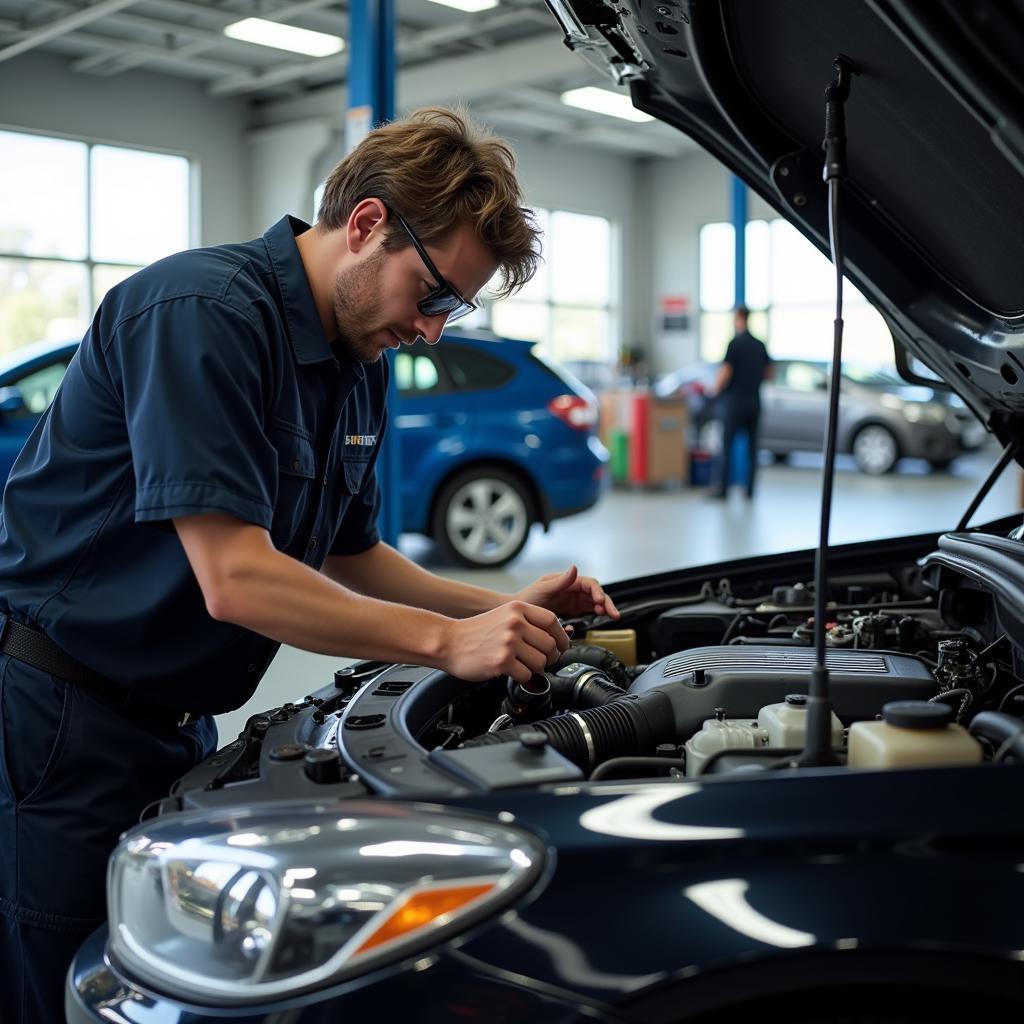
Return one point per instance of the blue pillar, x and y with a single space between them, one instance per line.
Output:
371 101
739 224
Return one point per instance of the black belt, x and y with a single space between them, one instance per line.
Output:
36 649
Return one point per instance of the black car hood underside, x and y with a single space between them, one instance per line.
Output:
932 214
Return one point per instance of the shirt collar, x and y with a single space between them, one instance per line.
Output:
305 330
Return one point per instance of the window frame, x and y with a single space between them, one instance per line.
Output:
89 263
612 309
761 316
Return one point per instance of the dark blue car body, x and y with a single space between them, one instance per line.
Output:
826 894
473 411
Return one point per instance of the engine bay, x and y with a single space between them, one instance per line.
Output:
707 681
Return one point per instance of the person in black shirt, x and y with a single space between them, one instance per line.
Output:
738 385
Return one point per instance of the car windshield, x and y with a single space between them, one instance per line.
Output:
873 377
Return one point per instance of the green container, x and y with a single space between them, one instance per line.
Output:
618 446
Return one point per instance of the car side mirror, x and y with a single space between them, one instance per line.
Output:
11 400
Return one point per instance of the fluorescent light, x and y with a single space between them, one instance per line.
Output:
285 37
604 101
468 5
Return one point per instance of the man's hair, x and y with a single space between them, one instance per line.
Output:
742 311
438 169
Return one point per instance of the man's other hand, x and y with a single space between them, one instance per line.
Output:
515 639
568 593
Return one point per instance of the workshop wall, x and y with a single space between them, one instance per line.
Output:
38 92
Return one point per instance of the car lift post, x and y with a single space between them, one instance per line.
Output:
739 225
371 101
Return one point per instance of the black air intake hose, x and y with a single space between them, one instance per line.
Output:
597 657
1005 732
625 727
576 686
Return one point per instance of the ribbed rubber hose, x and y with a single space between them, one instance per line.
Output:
625 727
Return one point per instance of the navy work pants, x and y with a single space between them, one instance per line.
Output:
74 774
740 417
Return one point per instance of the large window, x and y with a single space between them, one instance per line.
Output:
570 305
790 290
76 218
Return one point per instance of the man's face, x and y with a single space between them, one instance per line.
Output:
374 300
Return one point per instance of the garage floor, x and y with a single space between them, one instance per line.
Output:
632 533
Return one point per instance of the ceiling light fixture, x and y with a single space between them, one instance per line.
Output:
285 37
604 101
472 6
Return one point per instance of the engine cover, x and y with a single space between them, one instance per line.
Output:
742 679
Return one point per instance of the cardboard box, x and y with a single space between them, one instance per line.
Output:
666 422
657 430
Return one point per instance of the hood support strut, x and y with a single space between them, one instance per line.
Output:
818 750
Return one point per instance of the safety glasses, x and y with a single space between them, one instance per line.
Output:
444 300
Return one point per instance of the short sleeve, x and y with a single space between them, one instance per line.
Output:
730 354
192 373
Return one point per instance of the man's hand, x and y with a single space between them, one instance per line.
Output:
515 639
568 593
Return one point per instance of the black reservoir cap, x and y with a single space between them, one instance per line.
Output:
323 766
917 714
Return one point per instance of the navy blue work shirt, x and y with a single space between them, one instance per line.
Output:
205 384
749 359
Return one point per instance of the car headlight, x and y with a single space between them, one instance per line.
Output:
236 907
924 412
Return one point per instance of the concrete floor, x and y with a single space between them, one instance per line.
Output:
632 533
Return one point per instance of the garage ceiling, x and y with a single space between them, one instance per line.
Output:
507 62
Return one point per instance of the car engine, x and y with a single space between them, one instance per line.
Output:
708 681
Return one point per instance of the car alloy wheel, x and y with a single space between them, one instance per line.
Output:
483 517
875 449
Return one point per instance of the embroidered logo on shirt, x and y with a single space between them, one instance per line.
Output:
361 440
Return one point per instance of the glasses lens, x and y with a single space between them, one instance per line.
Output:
445 302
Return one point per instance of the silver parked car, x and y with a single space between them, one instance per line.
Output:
881 418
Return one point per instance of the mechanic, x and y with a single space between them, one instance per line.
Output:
738 385
203 489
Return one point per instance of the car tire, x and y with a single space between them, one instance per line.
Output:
875 449
482 517
780 457
940 465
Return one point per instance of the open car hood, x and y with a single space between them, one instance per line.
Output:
932 209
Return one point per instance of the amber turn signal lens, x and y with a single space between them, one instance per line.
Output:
421 909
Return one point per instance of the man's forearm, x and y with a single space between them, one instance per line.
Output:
386 574
290 602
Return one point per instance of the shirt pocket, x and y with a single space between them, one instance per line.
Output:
353 474
296 476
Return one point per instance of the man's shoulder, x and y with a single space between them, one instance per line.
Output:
227 275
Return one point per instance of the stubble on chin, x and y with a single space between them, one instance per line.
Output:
354 309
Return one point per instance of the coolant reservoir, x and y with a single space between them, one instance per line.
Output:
786 723
912 734
621 642
722 734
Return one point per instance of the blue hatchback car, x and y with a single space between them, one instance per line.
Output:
495 437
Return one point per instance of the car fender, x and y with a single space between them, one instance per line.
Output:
730 878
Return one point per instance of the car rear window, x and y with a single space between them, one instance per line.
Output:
472 370
415 372
572 383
